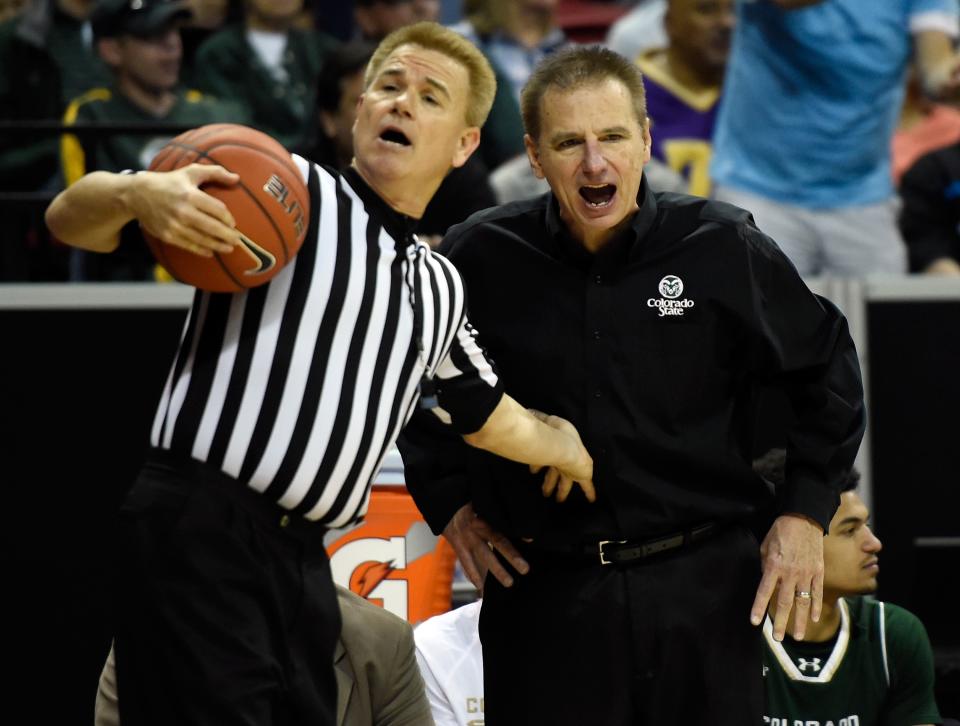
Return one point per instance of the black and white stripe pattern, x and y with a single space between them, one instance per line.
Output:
299 387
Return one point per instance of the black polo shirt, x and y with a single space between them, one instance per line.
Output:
655 348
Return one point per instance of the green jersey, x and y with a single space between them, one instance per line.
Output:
280 101
878 670
118 152
46 60
131 151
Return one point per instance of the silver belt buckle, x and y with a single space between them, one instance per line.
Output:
603 557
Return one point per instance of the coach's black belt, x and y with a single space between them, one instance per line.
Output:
619 552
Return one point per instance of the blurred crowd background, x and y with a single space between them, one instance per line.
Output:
839 133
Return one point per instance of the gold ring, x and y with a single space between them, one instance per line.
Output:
803 594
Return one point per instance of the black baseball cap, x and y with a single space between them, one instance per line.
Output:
141 18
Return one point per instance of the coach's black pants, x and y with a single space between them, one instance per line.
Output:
664 642
227 613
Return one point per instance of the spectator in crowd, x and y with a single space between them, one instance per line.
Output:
502 139
810 103
652 320
463 191
206 18
925 126
426 10
451 663
376 19
339 87
269 66
930 216
514 180
208 13
514 35
142 48
866 662
334 17
11 8
378 683
51 41
683 82
639 30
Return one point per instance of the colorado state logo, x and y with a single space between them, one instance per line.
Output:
671 287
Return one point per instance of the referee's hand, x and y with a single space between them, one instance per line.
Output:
172 207
580 471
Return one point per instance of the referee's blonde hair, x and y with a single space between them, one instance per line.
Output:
576 67
482 84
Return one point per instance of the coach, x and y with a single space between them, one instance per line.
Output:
283 400
649 320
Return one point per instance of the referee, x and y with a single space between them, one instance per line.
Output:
283 400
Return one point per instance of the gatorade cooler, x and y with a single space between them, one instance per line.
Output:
393 559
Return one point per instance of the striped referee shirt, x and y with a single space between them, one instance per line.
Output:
299 387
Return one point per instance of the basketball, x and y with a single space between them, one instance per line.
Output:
271 206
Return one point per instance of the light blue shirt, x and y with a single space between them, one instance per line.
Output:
514 60
812 97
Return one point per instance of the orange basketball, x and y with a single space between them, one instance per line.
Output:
270 204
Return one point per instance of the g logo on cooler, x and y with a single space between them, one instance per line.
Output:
363 566
671 287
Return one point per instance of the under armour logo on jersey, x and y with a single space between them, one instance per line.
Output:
813 664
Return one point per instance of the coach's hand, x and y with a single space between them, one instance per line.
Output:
474 541
172 207
792 559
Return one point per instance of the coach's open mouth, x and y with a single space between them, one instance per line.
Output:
598 196
395 136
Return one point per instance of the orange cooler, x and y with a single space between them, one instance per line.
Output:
393 559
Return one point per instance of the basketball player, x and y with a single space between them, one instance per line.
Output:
451 663
283 400
866 662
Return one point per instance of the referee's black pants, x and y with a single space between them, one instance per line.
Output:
226 611
665 641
